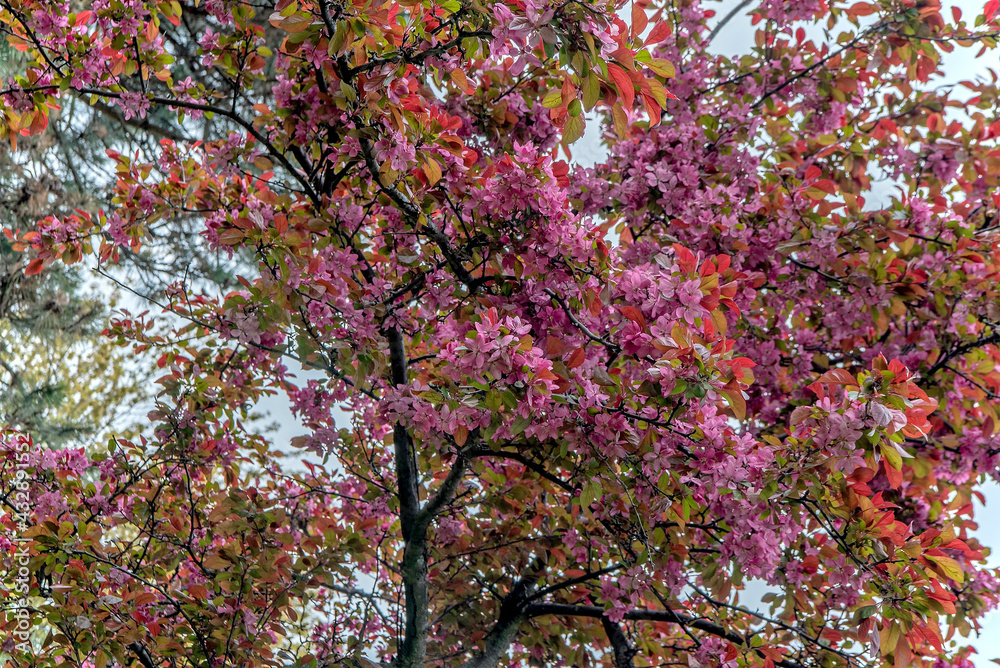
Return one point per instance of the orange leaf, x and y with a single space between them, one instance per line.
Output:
458 76
894 475
144 598
432 170
296 23
39 122
620 121
197 591
949 567
902 654
737 403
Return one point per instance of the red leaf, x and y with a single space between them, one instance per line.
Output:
34 267
895 477
39 122
827 186
639 20
860 9
838 377
623 84
652 109
231 237
685 258
595 303
635 315
659 33
817 389
799 415
861 474
899 369
731 652
576 359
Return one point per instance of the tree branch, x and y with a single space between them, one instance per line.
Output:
566 610
532 465
445 494
623 649
726 19
143 654
575 581
231 115
417 59
508 621
961 350
140 123
414 571
413 214
614 348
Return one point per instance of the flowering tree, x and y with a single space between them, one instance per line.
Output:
586 405
60 380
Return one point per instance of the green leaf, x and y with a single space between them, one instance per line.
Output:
520 424
892 458
949 566
573 129
866 612
348 91
552 99
591 91
591 492
336 44
662 67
